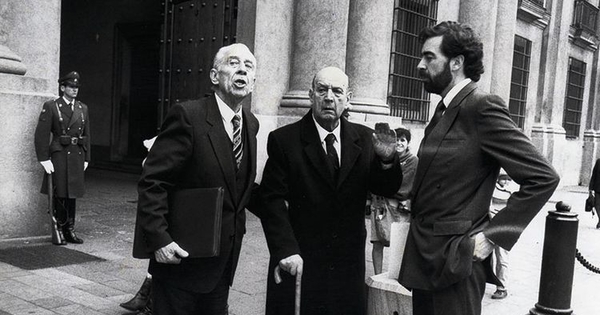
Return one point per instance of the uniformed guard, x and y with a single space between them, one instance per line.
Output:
62 145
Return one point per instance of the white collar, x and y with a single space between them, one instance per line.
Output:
323 133
455 90
67 101
226 112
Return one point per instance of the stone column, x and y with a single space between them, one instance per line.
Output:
319 40
481 16
501 69
368 54
554 64
31 29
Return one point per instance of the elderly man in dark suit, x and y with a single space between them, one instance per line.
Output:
313 196
203 143
62 145
447 257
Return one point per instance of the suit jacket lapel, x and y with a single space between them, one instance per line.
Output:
429 146
220 142
313 148
350 150
251 126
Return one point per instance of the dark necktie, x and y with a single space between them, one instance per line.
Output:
439 110
69 109
332 155
238 146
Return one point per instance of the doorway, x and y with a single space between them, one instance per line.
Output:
135 91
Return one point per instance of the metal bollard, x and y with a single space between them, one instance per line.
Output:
558 262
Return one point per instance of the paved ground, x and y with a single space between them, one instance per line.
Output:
105 221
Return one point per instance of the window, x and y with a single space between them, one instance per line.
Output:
574 98
538 2
585 16
519 80
407 98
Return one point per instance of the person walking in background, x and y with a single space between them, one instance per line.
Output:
313 194
595 188
62 146
141 302
205 143
447 258
502 192
384 210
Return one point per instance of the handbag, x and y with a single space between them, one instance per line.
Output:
382 218
589 203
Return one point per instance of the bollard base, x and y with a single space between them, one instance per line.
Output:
387 296
542 310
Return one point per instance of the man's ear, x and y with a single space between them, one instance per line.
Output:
457 62
311 93
214 76
349 95
62 88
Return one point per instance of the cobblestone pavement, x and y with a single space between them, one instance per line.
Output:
105 221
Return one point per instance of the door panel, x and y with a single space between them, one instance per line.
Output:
193 32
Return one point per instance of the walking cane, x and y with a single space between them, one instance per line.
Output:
298 287
56 233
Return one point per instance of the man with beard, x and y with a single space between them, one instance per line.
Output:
471 135
207 143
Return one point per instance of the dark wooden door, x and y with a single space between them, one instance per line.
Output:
192 33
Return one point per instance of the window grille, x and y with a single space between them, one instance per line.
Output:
574 98
585 16
519 80
538 2
407 97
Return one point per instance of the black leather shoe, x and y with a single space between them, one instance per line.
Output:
71 237
141 298
499 294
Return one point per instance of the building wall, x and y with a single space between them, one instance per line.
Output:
276 34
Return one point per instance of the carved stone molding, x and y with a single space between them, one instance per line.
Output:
11 62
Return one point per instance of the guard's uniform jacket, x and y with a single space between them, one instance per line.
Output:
63 136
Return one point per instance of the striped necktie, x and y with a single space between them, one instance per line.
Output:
238 146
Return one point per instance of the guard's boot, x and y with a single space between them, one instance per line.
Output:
71 237
69 232
141 298
147 309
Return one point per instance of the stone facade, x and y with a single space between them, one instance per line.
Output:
292 40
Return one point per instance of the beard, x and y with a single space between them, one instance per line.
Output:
437 83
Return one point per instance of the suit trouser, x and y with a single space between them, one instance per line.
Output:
171 300
462 298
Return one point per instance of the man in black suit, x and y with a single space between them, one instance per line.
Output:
313 196
447 256
202 144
